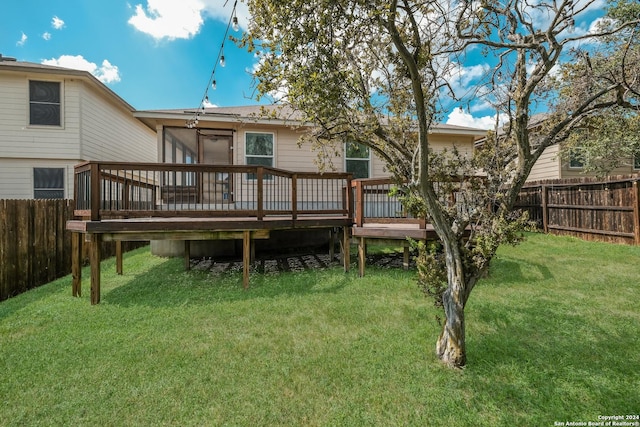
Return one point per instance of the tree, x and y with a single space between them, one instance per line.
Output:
377 73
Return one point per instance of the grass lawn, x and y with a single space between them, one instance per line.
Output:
553 335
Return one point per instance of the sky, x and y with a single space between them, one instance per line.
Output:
160 54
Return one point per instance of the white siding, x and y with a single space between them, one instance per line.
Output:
111 133
16 176
18 139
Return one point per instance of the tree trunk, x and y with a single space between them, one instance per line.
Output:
451 348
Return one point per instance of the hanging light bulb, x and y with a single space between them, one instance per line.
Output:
234 24
222 61
214 85
206 99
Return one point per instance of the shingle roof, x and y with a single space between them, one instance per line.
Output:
278 113
32 67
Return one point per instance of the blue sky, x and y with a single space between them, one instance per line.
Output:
159 54
150 61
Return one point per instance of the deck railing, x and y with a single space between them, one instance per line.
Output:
116 189
374 203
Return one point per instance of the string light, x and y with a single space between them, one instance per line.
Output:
233 22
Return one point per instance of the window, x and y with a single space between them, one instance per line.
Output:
357 159
575 162
258 150
44 103
48 183
636 161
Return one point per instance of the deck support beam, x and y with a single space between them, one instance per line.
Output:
94 259
119 257
76 264
187 255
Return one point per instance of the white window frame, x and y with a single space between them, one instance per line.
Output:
273 149
362 159
62 91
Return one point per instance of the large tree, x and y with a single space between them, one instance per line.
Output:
379 73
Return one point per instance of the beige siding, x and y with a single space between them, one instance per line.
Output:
16 176
289 156
547 166
112 133
18 139
567 172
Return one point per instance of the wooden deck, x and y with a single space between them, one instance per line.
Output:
140 202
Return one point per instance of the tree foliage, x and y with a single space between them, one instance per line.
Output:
379 73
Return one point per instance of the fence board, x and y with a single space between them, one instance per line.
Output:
35 247
586 208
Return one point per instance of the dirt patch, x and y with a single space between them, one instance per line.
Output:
293 263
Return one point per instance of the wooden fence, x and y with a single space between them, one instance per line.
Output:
35 248
588 208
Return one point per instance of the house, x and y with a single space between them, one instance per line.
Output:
553 165
244 136
51 119
266 136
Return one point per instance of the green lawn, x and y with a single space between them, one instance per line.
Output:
553 335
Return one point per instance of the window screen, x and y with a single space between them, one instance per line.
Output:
48 183
44 103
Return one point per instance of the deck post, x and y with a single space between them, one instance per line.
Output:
119 257
246 257
95 192
94 258
76 264
187 255
359 219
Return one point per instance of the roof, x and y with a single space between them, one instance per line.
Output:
10 65
267 114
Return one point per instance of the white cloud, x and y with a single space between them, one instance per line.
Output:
461 118
23 40
46 36
57 23
465 79
216 9
182 20
209 104
169 19
106 73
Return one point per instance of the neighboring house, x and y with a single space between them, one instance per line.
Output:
553 165
52 118
240 135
